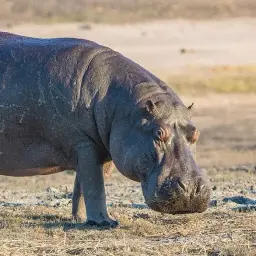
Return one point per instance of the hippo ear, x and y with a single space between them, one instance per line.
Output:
150 106
190 107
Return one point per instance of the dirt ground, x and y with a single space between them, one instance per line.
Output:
157 45
35 217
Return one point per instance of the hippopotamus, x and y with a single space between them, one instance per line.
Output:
69 103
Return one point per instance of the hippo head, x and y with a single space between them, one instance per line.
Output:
155 144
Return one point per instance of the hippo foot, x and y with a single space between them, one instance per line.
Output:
106 224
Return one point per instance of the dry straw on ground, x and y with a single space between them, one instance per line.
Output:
221 230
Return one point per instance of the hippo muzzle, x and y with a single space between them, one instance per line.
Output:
176 192
174 197
177 185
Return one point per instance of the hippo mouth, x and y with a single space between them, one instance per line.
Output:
178 207
176 200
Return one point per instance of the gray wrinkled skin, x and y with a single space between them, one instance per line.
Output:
73 104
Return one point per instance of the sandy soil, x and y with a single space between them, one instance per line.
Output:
157 45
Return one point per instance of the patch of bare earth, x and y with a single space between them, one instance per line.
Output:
226 228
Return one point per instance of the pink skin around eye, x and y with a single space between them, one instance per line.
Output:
163 133
195 136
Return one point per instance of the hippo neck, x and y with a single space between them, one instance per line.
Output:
113 86
123 97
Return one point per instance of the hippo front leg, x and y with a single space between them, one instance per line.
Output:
90 178
78 206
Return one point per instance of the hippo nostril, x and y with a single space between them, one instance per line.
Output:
181 184
199 188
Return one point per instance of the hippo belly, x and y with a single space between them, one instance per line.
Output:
29 158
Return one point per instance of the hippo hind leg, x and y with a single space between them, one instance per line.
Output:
78 205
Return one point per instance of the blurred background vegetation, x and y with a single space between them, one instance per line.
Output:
220 79
120 11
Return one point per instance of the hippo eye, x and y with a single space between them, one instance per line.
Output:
162 134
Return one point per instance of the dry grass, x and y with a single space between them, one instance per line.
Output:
222 79
119 11
40 230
